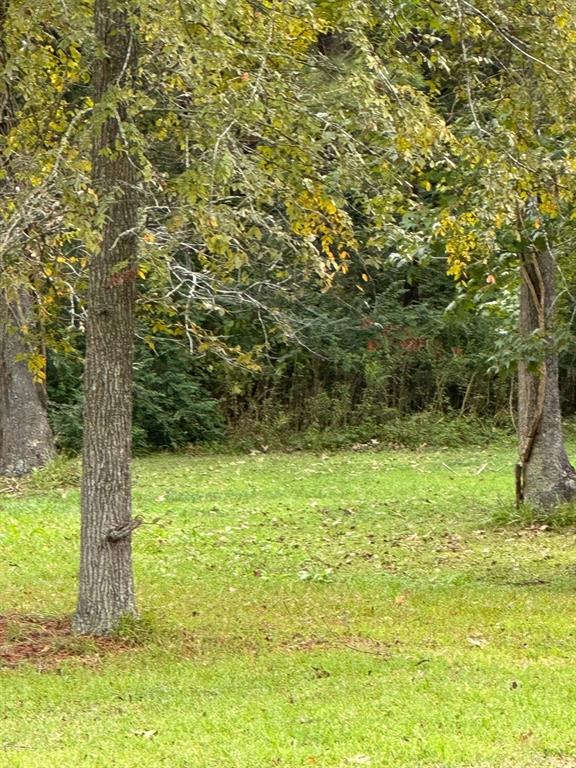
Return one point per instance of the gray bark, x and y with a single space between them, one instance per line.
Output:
106 588
26 440
547 477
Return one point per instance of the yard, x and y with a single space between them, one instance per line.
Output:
361 608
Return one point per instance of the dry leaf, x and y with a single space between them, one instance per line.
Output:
145 734
400 599
478 642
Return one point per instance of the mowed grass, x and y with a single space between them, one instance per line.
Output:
304 610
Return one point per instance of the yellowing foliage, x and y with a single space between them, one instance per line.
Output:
460 241
315 216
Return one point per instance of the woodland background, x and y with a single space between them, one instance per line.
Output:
311 174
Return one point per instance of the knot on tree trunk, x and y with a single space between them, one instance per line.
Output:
123 531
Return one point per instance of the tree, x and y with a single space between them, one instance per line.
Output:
501 74
26 440
543 199
545 476
106 590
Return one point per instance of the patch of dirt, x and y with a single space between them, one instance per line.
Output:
196 644
360 644
302 643
46 642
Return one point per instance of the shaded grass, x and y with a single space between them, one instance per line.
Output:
332 610
48 642
562 517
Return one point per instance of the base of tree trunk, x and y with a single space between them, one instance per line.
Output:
106 594
550 481
96 625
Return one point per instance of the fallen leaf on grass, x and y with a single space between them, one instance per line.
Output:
478 642
145 734
400 599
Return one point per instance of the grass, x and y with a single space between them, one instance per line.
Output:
362 608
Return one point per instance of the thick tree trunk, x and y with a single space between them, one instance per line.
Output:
545 476
26 440
106 589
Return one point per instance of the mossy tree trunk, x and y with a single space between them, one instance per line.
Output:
106 588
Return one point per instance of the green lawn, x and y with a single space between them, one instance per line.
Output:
304 610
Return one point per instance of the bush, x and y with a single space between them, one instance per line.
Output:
171 406
420 430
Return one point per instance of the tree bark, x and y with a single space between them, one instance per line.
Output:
26 440
545 477
106 588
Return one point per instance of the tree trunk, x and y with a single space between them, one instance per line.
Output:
106 589
26 440
545 477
